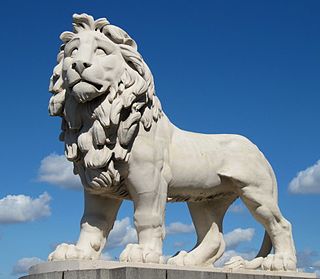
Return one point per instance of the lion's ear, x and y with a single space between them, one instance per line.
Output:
100 23
130 42
119 36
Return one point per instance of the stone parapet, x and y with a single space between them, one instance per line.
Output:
79 269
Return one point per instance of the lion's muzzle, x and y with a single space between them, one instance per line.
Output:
79 66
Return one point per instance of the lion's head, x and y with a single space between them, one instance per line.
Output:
102 89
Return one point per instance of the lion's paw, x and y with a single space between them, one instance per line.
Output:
236 262
276 262
139 254
69 251
279 262
183 259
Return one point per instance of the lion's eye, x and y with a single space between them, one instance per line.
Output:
100 51
73 52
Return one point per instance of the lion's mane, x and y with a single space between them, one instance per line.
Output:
98 134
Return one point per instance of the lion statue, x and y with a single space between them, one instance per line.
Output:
123 146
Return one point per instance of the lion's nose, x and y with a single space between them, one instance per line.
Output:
80 66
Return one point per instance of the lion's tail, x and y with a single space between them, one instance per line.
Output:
265 247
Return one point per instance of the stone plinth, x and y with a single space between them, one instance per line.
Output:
115 270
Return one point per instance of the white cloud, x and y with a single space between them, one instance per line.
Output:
306 181
122 234
57 170
232 253
21 208
235 237
23 265
178 227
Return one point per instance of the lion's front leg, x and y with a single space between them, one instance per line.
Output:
149 194
96 223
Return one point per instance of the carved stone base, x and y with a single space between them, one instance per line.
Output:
78 269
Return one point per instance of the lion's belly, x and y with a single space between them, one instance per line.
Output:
192 168
194 174
195 178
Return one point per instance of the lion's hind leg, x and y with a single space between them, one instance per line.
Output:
207 217
264 208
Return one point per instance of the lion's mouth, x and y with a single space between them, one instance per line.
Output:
98 86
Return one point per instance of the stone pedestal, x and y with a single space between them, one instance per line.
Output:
78 269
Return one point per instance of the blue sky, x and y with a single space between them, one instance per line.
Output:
244 67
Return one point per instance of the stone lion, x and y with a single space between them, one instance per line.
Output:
123 146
